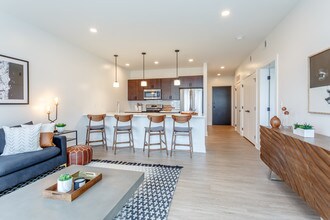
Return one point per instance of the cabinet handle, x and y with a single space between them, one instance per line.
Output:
170 97
248 111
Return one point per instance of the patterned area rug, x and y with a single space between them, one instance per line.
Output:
152 199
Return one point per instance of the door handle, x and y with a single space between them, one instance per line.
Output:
248 111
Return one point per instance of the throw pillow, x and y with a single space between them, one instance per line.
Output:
21 140
46 134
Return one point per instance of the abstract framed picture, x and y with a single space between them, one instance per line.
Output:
14 81
319 83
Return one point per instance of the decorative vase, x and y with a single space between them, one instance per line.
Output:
64 186
60 129
275 122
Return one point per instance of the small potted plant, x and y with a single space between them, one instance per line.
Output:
60 127
64 183
305 130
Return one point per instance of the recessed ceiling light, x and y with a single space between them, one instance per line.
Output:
191 60
239 37
222 67
93 30
156 62
225 13
218 74
127 64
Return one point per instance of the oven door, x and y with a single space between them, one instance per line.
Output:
152 94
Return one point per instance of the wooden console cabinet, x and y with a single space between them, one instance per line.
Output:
302 163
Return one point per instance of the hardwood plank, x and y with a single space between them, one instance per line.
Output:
228 182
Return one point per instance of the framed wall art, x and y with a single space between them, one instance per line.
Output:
319 83
14 81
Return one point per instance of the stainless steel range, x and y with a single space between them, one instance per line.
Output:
154 107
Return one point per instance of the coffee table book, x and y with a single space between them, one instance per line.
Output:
91 179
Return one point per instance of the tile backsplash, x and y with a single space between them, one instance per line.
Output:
174 103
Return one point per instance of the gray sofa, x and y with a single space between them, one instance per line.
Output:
18 168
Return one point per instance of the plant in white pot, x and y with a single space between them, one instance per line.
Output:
60 127
305 130
64 183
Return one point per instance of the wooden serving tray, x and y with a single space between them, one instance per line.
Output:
91 179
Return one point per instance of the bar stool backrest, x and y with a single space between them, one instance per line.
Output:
156 119
124 118
96 118
181 118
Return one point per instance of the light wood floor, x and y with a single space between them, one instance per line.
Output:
228 182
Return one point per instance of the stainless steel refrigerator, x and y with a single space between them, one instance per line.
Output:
191 100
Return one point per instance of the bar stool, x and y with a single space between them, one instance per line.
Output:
155 130
123 129
182 131
96 129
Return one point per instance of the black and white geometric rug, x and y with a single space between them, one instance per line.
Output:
150 201
153 198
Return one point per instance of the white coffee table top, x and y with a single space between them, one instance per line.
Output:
102 201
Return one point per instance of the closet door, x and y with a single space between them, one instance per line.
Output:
249 108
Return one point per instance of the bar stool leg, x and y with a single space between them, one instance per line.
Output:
149 144
173 134
165 143
105 140
88 135
191 144
132 139
114 146
144 142
160 140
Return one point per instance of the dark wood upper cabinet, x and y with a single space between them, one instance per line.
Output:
135 91
153 84
191 82
169 90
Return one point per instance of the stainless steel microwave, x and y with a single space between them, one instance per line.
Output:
152 94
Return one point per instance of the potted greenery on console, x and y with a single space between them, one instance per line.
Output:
60 127
305 130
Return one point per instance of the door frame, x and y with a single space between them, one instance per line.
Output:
263 65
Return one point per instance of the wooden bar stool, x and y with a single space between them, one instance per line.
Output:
155 130
123 129
182 131
96 129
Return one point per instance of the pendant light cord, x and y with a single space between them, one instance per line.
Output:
177 63
143 54
116 76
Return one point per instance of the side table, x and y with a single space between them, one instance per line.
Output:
72 135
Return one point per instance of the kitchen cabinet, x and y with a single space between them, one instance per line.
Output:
191 82
135 91
153 84
169 90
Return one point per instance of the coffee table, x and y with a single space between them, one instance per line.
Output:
102 201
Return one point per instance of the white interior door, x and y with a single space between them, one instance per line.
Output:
249 108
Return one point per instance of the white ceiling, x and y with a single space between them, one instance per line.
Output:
158 27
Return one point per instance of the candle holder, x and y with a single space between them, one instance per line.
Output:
56 110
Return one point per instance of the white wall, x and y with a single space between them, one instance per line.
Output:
304 32
165 73
81 81
218 81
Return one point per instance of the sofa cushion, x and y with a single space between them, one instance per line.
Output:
12 163
3 137
23 139
2 140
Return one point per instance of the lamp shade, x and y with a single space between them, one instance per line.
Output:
144 83
115 84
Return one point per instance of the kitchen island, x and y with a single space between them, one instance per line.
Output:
140 121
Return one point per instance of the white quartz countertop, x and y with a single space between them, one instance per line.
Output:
144 114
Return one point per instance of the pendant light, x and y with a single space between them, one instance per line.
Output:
116 83
143 82
177 80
